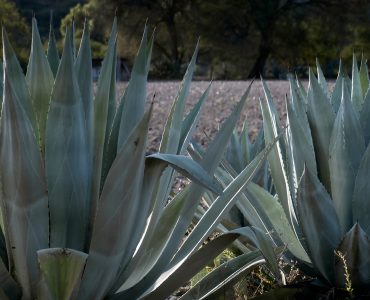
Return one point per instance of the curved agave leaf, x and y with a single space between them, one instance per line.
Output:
52 53
356 91
354 249
364 76
275 213
346 149
224 276
172 279
61 270
40 82
321 118
219 207
67 166
118 206
361 203
319 223
23 194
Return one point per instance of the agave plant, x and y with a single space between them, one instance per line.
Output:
84 212
319 210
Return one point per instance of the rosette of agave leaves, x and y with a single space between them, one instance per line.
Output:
84 211
318 208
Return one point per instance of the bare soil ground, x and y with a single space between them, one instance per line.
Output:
221 100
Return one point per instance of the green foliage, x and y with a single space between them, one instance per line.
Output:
82 205
17 27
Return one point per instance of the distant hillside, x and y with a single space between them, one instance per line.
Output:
42 9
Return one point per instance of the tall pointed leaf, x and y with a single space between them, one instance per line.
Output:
336 95
23 193
364 118
61 269
319 223
67 166
118 206
40 82
8 285
356 91
361 203
364 76
135 95
101 107
275 158
346 149
321 78
16 76
321 118
52 53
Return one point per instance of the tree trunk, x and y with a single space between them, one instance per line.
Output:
264 51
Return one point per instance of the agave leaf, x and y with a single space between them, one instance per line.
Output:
23 193
1 84
8 285
364 118
223 276
83 67
319 223
188 167
234 153
61 269
275 158
110 149
355 248
142 263
118 206
361 205
67 166
135 95
172 135
346 149
174 278
101 107
300 146
190 122
364 76
172 131
356 91
279 221
16 76
52 53
321 118
336 95
40 82
219 208
247 146
321 78
302 91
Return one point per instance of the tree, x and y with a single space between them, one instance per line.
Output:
17 29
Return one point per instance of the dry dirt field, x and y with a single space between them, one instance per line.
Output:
222 97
